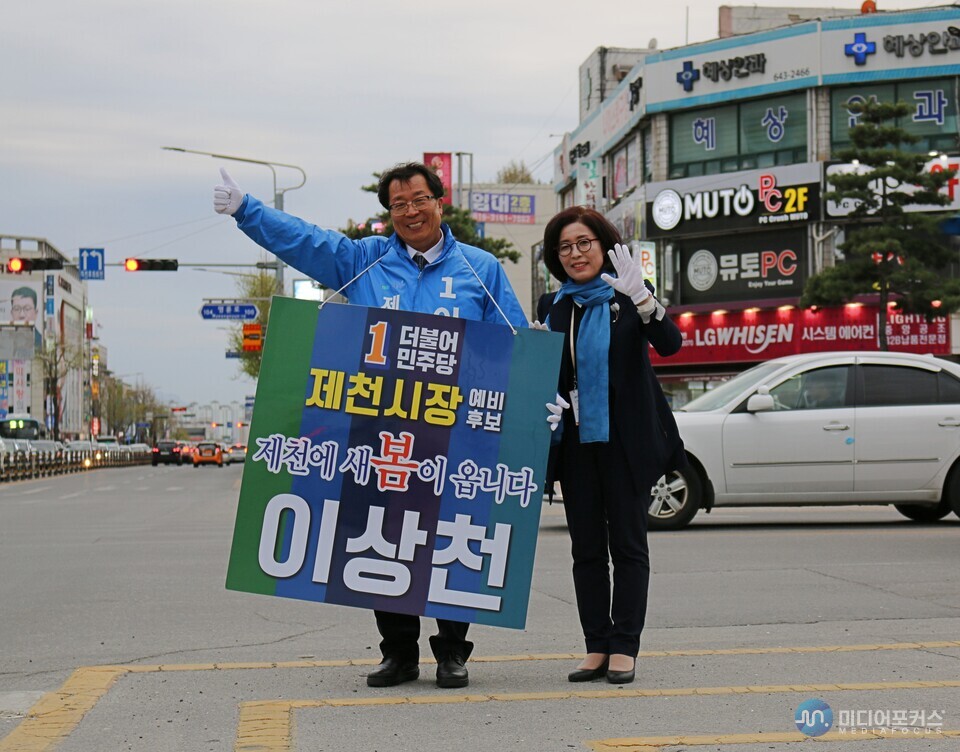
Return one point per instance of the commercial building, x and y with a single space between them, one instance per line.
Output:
719 154
45 355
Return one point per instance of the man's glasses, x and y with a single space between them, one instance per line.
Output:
22 310
583 245
402 207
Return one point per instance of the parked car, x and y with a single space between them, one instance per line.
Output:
822 429
236 453
208 453
167 451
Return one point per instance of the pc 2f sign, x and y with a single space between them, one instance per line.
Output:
396 462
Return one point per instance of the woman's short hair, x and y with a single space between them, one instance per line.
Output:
607 237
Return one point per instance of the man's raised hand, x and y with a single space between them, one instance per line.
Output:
227 196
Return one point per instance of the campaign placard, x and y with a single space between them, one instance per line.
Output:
396 461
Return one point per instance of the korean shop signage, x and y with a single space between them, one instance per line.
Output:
747 200
396 462
732 68
951 190
743 267
503 208
748 336
864 47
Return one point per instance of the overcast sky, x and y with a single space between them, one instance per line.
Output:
90 92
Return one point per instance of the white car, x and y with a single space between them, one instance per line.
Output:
822 429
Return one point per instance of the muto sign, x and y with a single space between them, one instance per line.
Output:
775 196
396 462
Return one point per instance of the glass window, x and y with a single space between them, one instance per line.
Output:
819 389
949 388
703 134
773 124
647 155
898 385
933 116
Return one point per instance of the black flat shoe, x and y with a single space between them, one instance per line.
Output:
588 674
621 677
451 673
393 671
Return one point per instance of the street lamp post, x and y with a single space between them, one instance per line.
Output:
277 192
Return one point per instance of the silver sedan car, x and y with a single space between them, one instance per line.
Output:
822 429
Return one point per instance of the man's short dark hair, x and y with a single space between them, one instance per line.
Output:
405 173
25 292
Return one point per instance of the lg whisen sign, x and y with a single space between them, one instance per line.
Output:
747 336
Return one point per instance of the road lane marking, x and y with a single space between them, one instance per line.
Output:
57 713
34 490
657 743
267 725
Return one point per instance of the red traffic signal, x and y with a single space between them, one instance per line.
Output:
151 265
19 264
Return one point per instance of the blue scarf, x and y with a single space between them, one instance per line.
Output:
593 347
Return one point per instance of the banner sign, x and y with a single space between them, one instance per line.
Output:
743 267
396 462
442 164
745 336
503 208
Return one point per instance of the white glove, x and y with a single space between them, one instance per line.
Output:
227 197
538 326
556 411
629 279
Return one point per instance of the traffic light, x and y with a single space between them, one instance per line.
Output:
20 265
151 265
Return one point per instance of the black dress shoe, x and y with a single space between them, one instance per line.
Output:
393 671
451 673
621 677
588 674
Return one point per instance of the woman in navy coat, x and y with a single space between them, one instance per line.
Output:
614 434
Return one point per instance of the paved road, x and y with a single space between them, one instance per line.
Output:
116 633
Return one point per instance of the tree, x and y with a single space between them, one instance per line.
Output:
887 249
515 173
258 288
458 219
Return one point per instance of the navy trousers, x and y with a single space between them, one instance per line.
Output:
607 520
400 633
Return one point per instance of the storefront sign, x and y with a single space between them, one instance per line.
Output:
588 183
720 70
744 267
782 195
746 336
950 190
870 47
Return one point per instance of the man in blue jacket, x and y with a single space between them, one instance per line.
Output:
421 268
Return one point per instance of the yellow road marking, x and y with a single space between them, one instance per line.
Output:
56 714
267 726
657 743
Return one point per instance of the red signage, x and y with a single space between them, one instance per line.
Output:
442 164
745 336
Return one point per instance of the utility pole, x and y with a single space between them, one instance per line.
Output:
277 192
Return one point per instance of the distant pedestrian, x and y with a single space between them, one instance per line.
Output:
615 434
